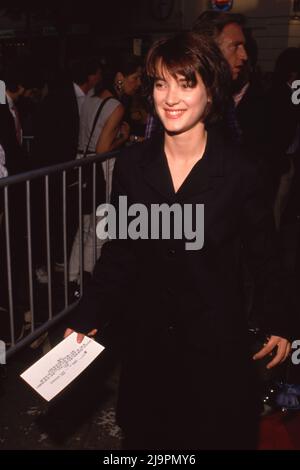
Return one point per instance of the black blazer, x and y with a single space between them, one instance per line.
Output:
182 316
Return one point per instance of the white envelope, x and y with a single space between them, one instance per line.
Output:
54 371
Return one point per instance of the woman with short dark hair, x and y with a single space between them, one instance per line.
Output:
172 282
183 58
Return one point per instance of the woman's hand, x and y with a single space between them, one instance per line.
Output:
283 350
80 336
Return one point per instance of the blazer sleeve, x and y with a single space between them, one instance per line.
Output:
113 277
263 256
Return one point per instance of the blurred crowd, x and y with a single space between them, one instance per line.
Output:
96 106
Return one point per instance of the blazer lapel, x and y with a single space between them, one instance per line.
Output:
201 178
155 169
197 182
203 175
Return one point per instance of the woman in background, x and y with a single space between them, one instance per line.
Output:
101 133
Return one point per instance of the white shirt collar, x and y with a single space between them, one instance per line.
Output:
78 91
10 101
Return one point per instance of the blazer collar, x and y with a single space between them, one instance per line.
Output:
156 172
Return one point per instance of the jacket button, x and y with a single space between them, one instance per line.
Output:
171 328
172 252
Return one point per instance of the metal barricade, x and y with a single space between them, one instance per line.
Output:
26 180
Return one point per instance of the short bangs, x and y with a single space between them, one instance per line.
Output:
189 54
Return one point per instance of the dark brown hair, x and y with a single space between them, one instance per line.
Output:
188 54
212 22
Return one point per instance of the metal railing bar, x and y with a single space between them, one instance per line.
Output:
94 214
107 180
65 238
80 229
8 260
49 170
29 252
49 271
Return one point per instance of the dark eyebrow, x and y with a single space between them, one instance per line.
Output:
179 80
238 43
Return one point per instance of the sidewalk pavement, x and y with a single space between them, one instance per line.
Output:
82 417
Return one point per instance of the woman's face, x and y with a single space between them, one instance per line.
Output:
179 105
132 82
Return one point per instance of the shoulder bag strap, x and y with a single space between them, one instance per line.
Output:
95 122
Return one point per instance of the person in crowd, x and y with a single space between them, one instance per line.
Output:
56 141
139 112
252 117
22 79
19 82
245 115
188 379
250 104
283 126
226 29
29 109
103 129
127 80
